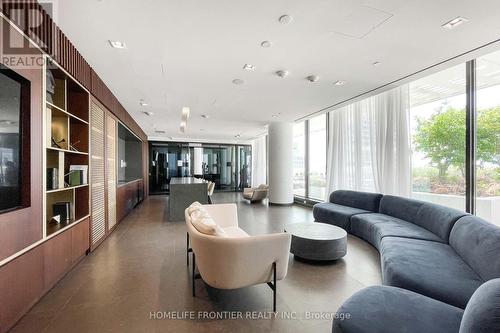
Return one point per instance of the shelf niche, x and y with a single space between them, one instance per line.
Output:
67 143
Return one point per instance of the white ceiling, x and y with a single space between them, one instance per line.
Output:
186 53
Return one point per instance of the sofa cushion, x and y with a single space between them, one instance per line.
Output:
482 313
373 227
383 309
355 199
478 243
435 218
335 214
438 219
428 268
402 208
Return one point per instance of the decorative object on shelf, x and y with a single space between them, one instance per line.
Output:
55 143
78 175
56 219
51 86
52 179
72 146
63 210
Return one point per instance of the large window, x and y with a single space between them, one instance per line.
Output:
317 158
299 157
438 137
309 158
488 138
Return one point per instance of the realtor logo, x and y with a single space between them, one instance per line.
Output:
30 17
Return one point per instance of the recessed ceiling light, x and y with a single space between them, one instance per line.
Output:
339 83
266 44
376 63
238 81
282 73
312 78
205 116
117 44
248 67
147 113
143 103
285 19
454 23
160 132
237 135
186 112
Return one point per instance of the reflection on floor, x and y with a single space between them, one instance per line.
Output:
141 269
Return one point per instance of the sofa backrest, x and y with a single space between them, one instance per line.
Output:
435 218
477 242
361 200
482 313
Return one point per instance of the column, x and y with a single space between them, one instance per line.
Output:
280 163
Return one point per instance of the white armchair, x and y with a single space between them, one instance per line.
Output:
237 260
256 194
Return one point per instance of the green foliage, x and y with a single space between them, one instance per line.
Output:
442 138
488 136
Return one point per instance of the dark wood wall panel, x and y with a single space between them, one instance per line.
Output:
21 285
19 228
25 280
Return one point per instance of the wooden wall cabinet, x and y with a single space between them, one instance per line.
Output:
127 197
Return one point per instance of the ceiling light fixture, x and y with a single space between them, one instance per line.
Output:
186 112
205 116
248 67
312 78
454 23
159 132
285 19
237 136
282 73
339 83
143 103
266 44
238 81
376 63
147 113
117 44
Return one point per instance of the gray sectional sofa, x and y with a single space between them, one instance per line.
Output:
435 263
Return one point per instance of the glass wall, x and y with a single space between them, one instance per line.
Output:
317 158
228 166
488 137
438 137
299 157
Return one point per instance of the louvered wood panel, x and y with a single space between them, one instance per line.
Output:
98 222
111 169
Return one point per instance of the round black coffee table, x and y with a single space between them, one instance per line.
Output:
317 241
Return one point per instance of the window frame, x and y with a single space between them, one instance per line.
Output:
24 140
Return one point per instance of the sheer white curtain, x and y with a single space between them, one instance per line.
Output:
369 145
259 161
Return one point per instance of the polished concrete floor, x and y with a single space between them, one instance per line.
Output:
141 269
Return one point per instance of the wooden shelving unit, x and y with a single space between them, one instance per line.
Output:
66 146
